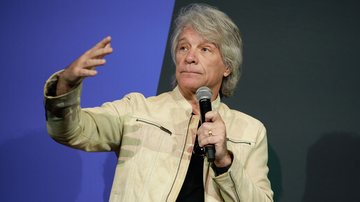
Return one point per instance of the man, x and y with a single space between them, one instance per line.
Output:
159 139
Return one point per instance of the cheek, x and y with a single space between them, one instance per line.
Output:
178 57
177 64
216 68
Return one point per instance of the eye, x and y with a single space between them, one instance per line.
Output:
205 49
182 48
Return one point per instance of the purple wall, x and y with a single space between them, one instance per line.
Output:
40 37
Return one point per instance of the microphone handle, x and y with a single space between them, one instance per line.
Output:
205 106
210 152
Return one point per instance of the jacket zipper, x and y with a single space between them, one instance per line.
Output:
154 124
182 154
236 191
238 141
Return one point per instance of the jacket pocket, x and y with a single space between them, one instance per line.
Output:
153 135
241 148
247 142
141 134
145 121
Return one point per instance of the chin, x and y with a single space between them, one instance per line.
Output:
190 86
189 82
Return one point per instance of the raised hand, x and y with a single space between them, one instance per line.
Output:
84 66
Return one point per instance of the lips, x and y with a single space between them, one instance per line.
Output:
189 72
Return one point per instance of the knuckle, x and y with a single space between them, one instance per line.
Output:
82 61
77 72
86 53
206 125
86 63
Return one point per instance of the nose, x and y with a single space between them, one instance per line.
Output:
191 57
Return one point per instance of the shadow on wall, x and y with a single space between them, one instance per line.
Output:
275 176
32 168
332 171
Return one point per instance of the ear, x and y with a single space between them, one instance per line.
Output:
227 72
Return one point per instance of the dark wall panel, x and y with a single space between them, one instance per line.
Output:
300 78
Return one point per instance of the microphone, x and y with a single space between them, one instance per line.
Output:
203 95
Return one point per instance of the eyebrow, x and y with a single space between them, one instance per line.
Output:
182 39
202 43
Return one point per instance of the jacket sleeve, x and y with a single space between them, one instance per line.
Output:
91 129
248 181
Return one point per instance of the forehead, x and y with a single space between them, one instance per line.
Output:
188 33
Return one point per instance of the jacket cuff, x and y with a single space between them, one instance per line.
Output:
221 170
224 180
52 102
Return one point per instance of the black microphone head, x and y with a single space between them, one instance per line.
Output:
203 93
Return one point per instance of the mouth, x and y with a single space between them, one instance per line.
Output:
189 72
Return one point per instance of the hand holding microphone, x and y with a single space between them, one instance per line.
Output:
203 95
212 132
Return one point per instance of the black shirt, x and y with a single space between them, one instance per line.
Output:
193 187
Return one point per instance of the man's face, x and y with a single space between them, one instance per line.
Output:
198 62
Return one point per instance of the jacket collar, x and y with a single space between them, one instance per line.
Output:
178 97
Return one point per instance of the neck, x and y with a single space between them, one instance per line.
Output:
190 96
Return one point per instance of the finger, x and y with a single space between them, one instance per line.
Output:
209 116
103 42
108 45
207 140
100 44
87 72
212 116
204 132
206 126
99 53
93 63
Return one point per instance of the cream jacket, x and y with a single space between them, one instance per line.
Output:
153 138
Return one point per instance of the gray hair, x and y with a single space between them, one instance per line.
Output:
216 27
